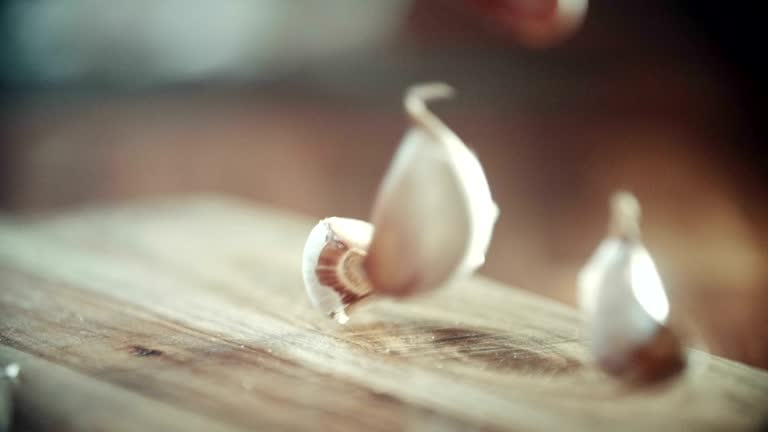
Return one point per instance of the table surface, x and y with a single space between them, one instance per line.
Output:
191 315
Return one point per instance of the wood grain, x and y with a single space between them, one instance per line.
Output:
191 315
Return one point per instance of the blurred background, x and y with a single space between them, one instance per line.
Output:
297 105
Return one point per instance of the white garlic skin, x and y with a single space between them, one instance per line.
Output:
434 214
618 321
624 302
327 297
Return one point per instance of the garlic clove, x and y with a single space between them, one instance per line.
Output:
625 304
434 218
332 265
434 214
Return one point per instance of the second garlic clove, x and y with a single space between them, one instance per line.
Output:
625 304
434 214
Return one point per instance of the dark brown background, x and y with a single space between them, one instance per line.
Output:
652 96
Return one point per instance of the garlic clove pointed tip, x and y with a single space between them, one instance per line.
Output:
625 215
415 102
421 93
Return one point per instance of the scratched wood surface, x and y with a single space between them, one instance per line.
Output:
191 315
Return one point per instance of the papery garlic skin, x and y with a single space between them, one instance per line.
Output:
623 299
332 265
434 214
618 321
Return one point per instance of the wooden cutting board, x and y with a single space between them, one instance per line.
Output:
191 315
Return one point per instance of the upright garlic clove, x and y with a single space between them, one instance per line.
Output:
434 214
332 265
624 302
